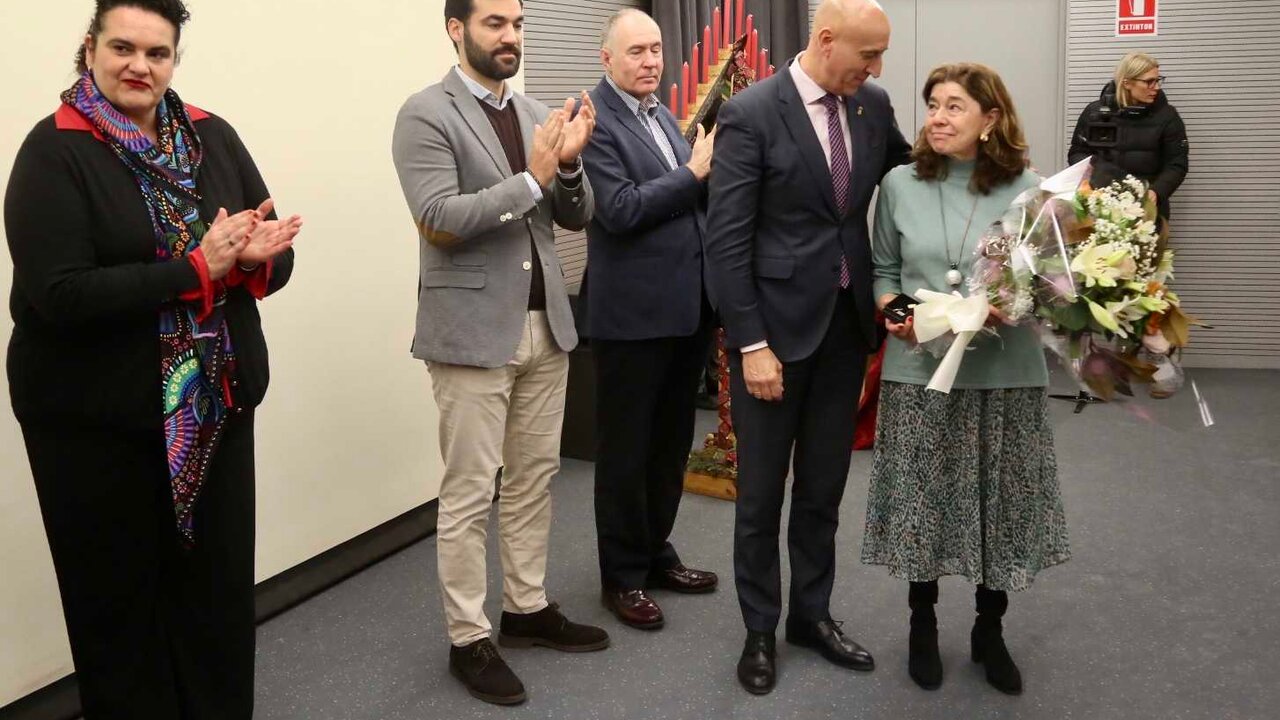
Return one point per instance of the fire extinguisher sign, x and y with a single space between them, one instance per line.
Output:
1135 17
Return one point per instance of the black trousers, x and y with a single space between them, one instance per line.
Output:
157 630
816 419
645 395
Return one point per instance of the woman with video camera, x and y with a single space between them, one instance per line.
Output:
1133 130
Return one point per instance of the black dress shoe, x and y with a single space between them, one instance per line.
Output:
826 637
684 580
756 669
486 676
550 628
634 608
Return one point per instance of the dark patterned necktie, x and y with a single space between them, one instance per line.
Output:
839 169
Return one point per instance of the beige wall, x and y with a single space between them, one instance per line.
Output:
1028 56
346 438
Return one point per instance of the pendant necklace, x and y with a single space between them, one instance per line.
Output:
953 276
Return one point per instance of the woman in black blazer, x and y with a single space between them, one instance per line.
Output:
142 238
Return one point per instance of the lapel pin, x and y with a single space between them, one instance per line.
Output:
859 109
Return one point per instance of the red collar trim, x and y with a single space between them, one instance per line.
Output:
68 118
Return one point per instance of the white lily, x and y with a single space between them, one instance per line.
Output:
1104 318
1102 265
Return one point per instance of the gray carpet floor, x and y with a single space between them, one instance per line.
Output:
1168 608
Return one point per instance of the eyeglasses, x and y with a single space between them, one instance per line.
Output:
1152 82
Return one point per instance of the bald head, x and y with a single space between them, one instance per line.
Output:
631 52
624 23
847 44
836 13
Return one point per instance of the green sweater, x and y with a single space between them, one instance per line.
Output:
909 254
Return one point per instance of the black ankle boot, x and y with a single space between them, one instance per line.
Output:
924 663
987 642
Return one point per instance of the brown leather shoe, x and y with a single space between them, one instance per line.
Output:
634 608
684 580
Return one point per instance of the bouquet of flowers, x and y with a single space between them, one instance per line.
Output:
1093 266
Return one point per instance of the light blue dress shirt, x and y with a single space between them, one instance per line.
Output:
645 111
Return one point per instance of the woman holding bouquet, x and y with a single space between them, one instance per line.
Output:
963 483
142 238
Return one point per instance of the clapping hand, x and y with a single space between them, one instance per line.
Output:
270 237
548 143
577 131
225 239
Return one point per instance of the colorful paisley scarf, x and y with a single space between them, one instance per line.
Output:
196 357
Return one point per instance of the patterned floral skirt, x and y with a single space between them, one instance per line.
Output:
965 484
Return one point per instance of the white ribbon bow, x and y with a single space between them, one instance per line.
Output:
939 313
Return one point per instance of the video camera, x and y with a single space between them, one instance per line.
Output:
1101 132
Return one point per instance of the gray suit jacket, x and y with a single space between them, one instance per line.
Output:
474 218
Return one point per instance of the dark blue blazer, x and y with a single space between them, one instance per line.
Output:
644 244
774 234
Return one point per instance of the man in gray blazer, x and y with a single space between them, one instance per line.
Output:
485 172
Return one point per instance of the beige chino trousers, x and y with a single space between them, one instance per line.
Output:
507 417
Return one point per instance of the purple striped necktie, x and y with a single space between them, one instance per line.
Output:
839 169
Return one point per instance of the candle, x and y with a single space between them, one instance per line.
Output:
707 49
737 23
715 32
751 23
696 62
771 71
673 104
726 36
764 64
753 45
684 86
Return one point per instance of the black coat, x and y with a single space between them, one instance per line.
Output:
87 288
1151 145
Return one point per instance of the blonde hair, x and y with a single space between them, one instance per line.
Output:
1131 67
